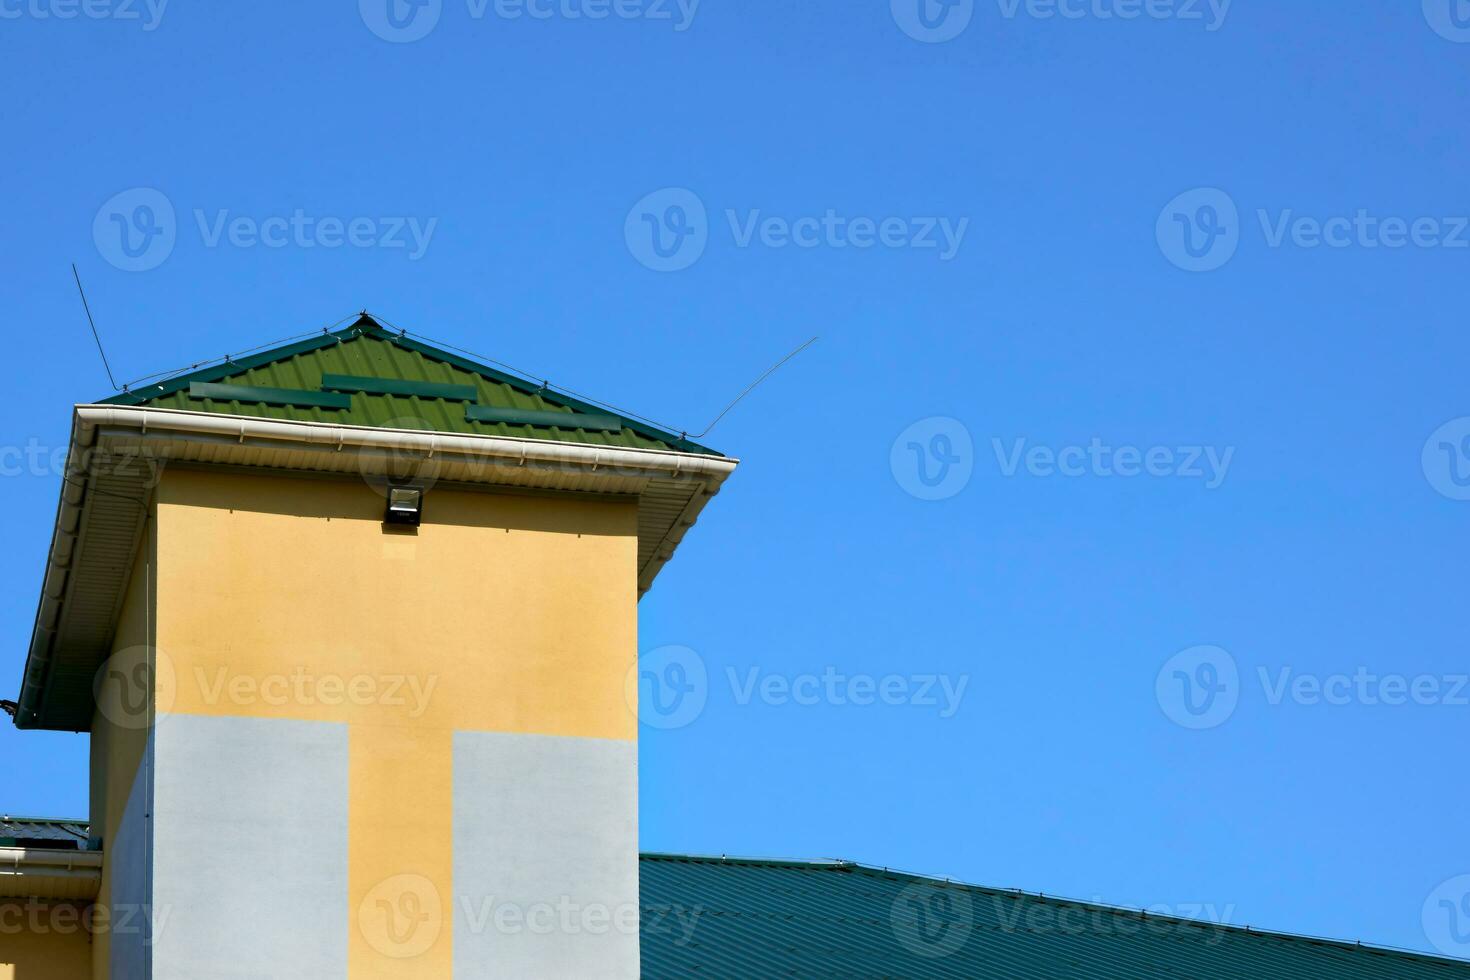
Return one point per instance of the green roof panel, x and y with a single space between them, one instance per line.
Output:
366 375
739 917
251 394
713 917
397 386
545 420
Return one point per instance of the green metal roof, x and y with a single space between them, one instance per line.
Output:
367 375
712 917
43 832
740 917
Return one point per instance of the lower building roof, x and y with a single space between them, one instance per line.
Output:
741 917
42 832
717 917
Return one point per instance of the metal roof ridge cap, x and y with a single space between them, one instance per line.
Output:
93 415
214 370
746 859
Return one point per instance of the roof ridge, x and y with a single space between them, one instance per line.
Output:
364 325
828 864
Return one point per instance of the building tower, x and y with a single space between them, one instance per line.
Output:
352 624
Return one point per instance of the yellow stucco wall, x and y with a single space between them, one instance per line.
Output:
286 598
514 613
46 943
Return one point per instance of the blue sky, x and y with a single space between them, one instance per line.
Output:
1139 335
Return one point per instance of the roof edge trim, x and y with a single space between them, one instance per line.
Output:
332 434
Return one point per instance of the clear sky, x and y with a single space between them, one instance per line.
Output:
1154 355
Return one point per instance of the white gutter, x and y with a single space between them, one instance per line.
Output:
50 862
532 452
49 874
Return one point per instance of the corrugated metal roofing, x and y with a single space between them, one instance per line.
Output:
39 831
367 350
711 917
739 918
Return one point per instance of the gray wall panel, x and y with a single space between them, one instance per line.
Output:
545 856
127 857
250 849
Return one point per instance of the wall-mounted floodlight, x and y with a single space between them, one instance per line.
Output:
405 506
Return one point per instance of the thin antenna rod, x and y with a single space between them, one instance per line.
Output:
93 325
753 385
526 375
